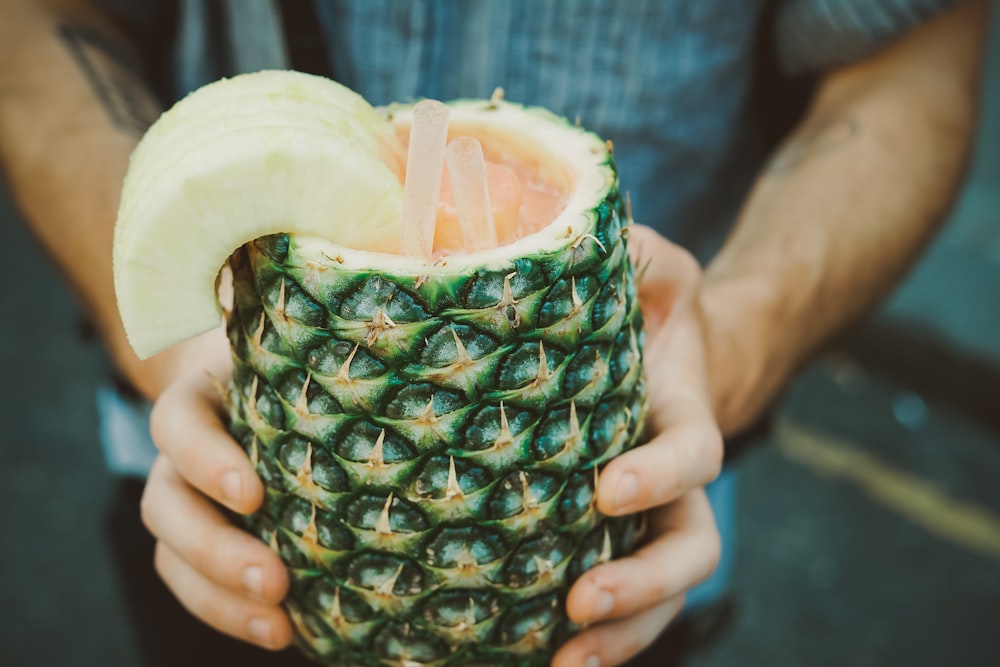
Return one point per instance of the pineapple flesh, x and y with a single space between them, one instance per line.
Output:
430 435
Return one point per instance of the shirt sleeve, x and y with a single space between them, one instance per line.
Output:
815 35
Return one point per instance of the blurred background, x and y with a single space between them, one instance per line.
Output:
869 525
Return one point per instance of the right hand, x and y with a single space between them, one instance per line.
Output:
221 574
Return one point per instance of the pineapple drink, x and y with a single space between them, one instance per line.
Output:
429 430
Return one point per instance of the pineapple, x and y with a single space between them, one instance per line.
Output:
430 433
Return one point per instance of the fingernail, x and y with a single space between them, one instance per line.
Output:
605 603
232 488
253 581
593 661
627 491
260 630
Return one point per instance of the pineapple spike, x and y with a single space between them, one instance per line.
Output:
528 499
462 358
335 613
600 368
307 465
577 120
273 542
304 476
575 296
302 403
505 437
382 526
378 326
258 335
508 292
279 308
377 458
628 209
611 146
497 97
544 566
453 490
427 417
470 614
344 374
606 547
507 300
583 237
310 536
574 427
254 451
543 366
385 588
252 401
634 342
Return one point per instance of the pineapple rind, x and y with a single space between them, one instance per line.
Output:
424 439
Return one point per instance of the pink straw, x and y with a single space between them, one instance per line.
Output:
467 169
422 188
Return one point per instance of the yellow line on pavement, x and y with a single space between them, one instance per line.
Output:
960 522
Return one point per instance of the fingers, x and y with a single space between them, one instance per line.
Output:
684 553
226 611
197 532
667 275
611 644
685 455
187 428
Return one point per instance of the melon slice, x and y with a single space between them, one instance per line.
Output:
299 154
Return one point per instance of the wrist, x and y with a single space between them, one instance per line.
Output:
745 354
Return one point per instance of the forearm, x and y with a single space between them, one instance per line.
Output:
841 211
73 108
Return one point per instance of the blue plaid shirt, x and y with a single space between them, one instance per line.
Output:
670 82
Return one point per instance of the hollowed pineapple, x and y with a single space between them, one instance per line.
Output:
429 432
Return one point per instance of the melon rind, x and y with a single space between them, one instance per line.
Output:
197 190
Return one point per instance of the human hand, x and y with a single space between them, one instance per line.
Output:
221 574
631 600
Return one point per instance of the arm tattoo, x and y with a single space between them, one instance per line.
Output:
813 143
114 75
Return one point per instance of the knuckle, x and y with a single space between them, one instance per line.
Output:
670 475
711 556
714 452
160 417
147 508
203 556
657 585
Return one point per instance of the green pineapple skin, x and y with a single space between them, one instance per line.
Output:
435 502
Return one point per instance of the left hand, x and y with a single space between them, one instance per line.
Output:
630 601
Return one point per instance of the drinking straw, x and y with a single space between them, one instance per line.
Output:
422 187
467 169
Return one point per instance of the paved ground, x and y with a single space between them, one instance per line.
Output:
869 531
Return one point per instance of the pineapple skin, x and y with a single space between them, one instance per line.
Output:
430 444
